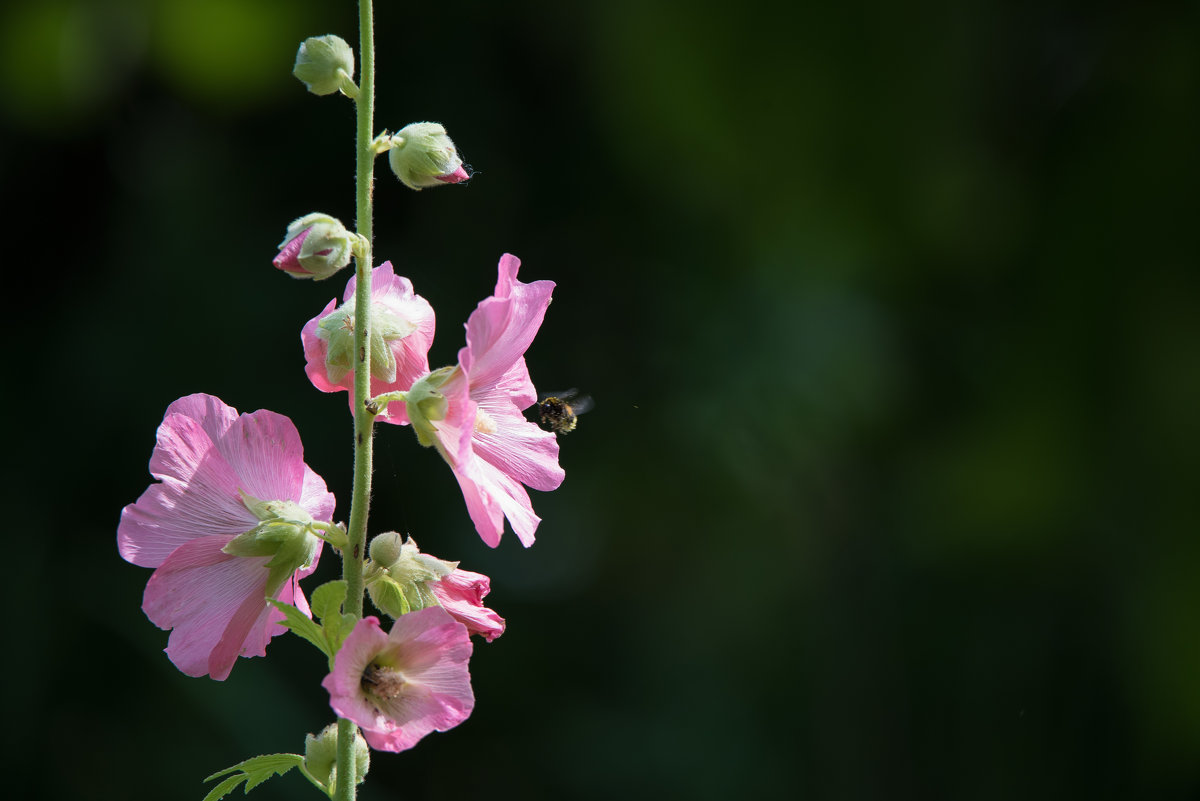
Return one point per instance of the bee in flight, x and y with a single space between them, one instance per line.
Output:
559 411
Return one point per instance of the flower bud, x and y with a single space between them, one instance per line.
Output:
386 549
316 246
422 155
401 585
320 756
325 64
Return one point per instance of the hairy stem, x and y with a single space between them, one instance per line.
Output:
355 552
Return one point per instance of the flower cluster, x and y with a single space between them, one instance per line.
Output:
235 518
471 412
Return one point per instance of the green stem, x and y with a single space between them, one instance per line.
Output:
355 553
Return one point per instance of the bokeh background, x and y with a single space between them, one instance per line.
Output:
889 312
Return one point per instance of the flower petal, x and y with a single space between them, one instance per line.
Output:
197 497
214 603
502 327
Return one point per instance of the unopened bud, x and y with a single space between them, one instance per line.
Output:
316 246
320 756
422 155
325 64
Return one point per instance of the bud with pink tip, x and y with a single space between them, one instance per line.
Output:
422 155
316 246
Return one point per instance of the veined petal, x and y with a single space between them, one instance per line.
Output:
518 447
197 496
264 450
208 598
502 327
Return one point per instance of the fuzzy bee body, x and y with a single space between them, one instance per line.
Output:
559 412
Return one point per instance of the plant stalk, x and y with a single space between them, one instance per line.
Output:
360 501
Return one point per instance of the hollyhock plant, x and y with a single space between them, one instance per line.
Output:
228 525
472 413
402 685
402 325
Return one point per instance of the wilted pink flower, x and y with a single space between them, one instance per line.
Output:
213 466
461 594
483 435
402 685
402 325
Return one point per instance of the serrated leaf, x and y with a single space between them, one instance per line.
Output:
253 772
261 768
328 598
224 788
301 625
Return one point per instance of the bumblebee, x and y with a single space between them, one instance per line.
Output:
559 412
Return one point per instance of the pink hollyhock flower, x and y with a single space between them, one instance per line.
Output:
223 477
402 324
480 430
402 685
461 594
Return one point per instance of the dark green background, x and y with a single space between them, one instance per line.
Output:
890 314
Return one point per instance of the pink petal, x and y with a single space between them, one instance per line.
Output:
213 602
315 351
502 327
508 494
461 594
213 415
264 450
197 497
518 447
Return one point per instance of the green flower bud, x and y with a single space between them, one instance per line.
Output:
320 757
386 549
325 64
316 246
402 586
422 155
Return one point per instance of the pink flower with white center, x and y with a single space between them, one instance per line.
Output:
402 685
461 594
402 325
479 428
228 483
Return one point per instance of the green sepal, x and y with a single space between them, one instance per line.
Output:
387 594
302 626
253 772
426 404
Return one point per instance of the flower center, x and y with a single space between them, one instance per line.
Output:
383 682
484 423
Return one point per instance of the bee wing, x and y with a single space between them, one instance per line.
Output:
564 395
582 404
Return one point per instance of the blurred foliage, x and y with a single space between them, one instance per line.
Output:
890 314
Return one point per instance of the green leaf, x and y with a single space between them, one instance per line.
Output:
328 598
253 772
224 788
337 629
300 624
